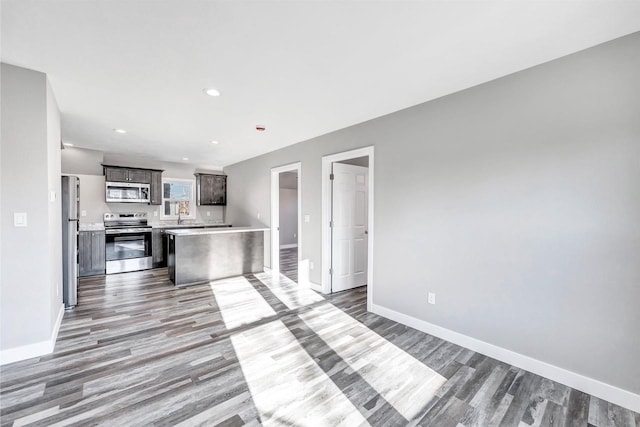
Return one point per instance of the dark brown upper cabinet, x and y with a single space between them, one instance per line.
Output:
153 177
120 174
156 188
211 190
116 174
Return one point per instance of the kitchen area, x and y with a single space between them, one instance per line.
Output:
149 220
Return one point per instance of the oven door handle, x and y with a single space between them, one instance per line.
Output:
112 232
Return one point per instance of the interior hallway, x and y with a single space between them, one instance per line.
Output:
289 263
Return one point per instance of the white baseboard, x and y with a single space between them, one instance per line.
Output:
580 382
36 349
56 327
291 245
315 287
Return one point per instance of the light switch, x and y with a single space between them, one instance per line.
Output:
83 213
208 213
307 218
155 213
19 219
52 196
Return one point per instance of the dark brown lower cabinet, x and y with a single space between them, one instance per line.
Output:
158 247
91 253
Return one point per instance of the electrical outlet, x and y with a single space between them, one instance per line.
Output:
155 213
310 265
19 219
432 298
295 235
83 213
307 218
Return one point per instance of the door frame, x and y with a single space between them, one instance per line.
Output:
327 196
275 214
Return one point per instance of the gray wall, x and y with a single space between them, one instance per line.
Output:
31 262
86 164
288 180
82 161
516 201
288 216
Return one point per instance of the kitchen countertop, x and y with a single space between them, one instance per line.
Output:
91 227
201 231
99 226
191 225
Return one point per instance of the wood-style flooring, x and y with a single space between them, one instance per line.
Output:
289 263
256 350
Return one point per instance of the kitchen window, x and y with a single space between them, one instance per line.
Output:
178 196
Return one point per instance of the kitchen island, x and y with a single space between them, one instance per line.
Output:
201 255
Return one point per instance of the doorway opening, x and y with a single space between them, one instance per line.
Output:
347 226
288 221
285 221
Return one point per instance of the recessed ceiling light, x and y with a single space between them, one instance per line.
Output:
185 158
212 92
67 144
215 142
120 131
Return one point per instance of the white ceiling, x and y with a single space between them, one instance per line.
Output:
302 69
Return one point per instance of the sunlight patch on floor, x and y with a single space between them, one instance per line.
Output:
403 381
289 292
239 303
286 384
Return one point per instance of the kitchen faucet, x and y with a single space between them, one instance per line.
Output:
179 212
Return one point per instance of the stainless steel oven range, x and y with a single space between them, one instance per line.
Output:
128 242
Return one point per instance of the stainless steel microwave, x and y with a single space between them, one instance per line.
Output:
127 192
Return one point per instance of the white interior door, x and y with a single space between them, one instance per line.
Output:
349 226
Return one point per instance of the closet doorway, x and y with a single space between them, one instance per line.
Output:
285 221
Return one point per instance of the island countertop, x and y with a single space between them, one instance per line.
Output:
202 231
165 226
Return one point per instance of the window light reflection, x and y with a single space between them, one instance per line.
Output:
406 383
239 303
285 381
